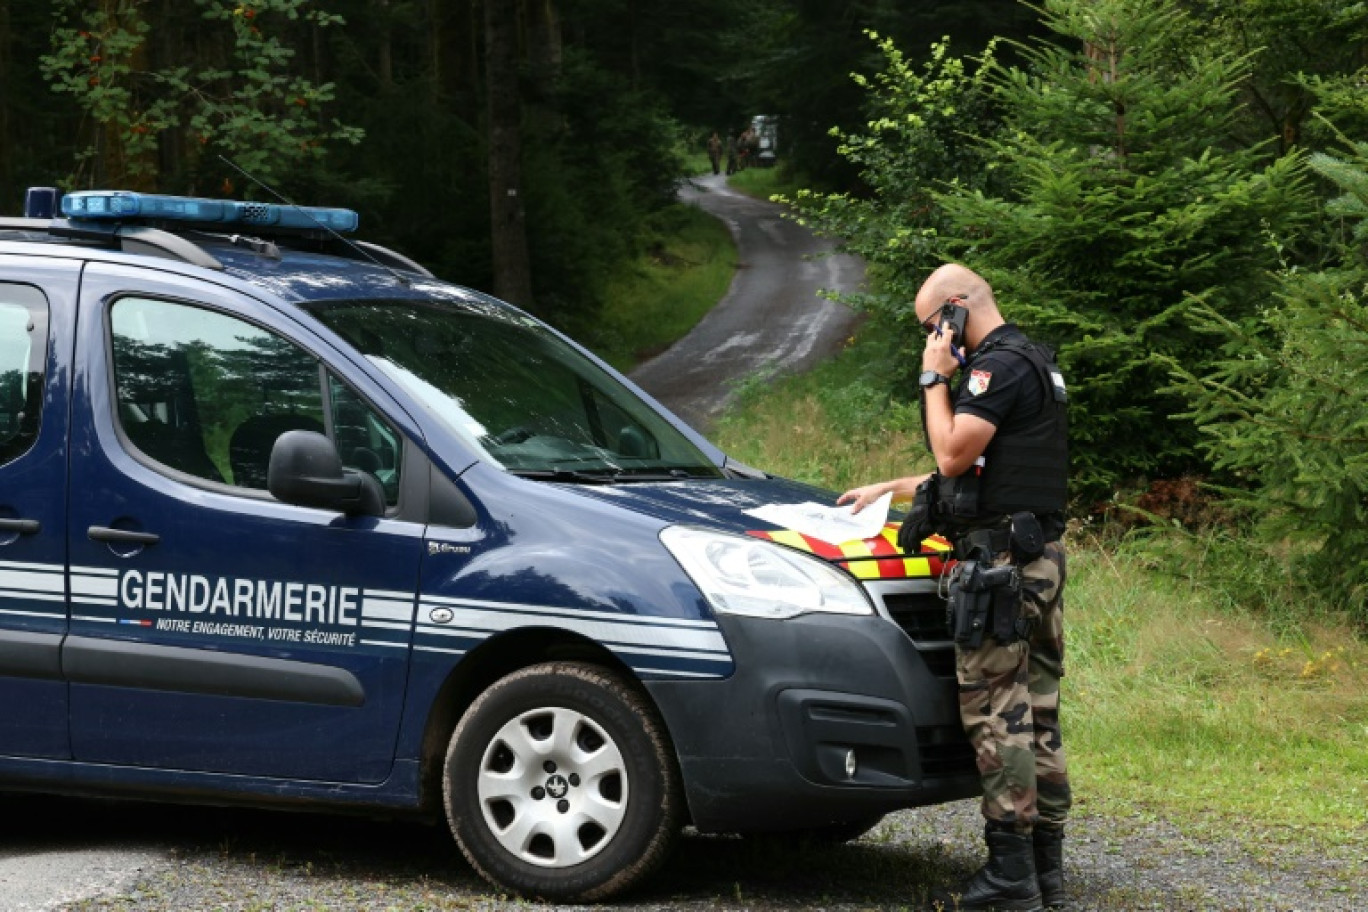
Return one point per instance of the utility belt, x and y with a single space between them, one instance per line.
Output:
984 594
1025 534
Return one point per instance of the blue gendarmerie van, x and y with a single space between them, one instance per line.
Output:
287 521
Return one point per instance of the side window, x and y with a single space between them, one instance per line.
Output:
23 364
364 440
208 394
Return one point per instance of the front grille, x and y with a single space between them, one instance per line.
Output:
945 751
920 614
918 609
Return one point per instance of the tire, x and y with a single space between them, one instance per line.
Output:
560 784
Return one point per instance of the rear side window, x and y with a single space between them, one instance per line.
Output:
208 394
23 364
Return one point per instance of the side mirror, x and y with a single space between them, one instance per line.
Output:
305 470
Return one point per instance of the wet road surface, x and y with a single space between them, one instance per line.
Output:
772 319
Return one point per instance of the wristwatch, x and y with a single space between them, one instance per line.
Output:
931 378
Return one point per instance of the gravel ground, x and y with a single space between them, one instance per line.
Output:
247 860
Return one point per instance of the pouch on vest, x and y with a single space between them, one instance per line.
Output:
921 519
957 498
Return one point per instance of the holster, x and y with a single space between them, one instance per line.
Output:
983 600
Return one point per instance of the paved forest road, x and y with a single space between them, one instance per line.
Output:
772 317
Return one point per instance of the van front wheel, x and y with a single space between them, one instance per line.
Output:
560 784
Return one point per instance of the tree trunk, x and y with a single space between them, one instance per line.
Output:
454 52
507 221
384 63
544 45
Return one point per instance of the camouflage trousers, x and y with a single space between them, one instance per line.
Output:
1009 704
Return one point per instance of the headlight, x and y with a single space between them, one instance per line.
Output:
743 575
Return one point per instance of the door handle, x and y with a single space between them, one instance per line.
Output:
22 526
122 536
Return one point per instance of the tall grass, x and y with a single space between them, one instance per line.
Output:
686 270
829 427
1177 698
1188 691
767 182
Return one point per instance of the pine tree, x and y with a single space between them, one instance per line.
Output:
1124 198
1284 412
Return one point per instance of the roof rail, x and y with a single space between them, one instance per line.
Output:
387 256
128 238
148 241
138 239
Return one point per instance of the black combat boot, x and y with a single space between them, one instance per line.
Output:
1048 843
1007 883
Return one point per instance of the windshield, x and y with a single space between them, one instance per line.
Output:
529 402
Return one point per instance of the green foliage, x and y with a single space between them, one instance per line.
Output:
1111 193
925 122
1298 49
600 161
1127 198
795 64
239 96
685 271
1283 409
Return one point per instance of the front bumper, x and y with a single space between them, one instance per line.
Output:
767 748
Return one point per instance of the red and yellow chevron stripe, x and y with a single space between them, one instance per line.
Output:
872 558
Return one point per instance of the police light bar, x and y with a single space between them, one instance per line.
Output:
123 205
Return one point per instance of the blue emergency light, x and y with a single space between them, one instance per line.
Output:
123 205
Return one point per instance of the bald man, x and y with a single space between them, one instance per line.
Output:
998 433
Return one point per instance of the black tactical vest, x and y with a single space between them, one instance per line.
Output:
1029 469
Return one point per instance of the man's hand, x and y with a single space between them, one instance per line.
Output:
903 491
938 354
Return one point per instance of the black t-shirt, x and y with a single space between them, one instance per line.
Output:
1000 386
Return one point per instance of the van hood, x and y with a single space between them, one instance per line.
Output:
714 503
721 504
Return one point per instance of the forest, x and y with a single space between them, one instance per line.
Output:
518 146
1171 192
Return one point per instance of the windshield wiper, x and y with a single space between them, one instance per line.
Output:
605 475
564 475
653 474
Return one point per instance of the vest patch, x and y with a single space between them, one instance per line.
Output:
978 382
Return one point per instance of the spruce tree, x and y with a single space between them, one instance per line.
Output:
1283 408
1124 198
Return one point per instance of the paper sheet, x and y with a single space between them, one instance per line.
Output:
829 523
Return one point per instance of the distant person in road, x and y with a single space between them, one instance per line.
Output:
998 433
752 150
745 144
715 152
731 155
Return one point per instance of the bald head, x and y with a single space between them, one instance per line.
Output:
955 281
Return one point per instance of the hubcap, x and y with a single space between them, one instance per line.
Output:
553 787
